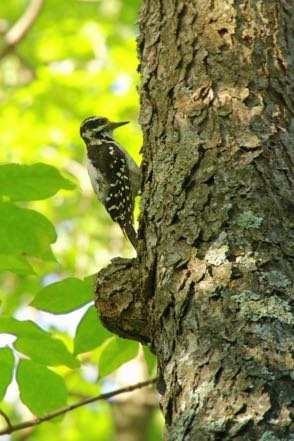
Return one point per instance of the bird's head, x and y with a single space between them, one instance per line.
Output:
96 127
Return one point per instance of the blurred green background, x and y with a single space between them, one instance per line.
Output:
77 60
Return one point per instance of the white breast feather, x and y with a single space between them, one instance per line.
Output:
96 181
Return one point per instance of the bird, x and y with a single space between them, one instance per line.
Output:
114 175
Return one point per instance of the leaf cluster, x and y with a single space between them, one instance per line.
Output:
77 59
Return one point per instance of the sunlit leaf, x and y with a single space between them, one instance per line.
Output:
150 360
48 351
116 352
62 297
15 264
6 369
25 328
25 232
31 182
90 332
41 389
89 280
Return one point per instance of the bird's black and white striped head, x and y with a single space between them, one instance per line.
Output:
98 127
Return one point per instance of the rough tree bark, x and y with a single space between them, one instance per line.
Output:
211 288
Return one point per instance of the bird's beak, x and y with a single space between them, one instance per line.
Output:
114 125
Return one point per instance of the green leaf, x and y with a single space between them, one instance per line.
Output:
116 352
24 231
150 360
48 351
89 281
6 369
17 265
41 389
25 328
62 297
31 182
90 332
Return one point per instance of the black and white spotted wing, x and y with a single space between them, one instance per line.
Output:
110 160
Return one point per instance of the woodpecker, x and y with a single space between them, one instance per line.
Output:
114 175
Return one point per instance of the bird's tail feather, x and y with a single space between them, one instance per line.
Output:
131 234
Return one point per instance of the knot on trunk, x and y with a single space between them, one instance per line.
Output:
119 302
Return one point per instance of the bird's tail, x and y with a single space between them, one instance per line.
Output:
131 234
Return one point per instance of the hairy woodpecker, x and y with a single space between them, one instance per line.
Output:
114 175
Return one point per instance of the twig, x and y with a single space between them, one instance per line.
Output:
38 420
22 26
7 420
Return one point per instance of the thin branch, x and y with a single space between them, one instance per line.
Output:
7 420
30 423
24 23
17 32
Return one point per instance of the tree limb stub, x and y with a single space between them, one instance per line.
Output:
119 302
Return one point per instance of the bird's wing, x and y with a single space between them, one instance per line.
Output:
119 201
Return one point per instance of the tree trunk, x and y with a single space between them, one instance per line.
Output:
215 242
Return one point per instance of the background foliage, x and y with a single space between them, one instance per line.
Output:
77 60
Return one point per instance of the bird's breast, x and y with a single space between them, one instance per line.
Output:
97 181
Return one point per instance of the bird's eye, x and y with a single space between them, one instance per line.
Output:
101 121
94 123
